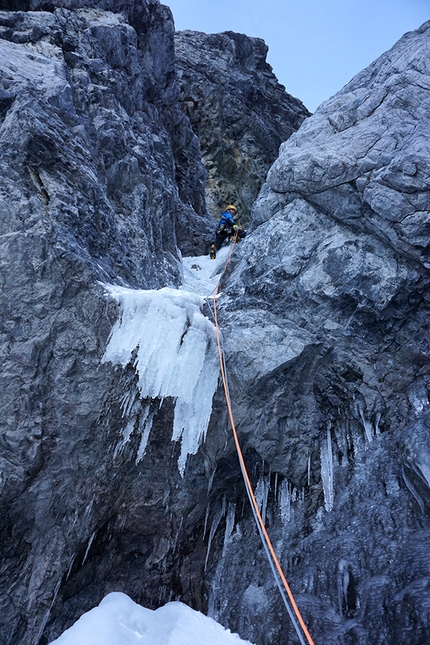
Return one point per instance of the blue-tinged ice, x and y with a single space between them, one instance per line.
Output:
219 514
285 502
145 428
173 348
368 427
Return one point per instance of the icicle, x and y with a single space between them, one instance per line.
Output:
309 471
211 480
377 420
145 426
342 585
46 616
215 523
231 513
285 502
90 541
127 401
327 472
262 494
126 434
275 486
368 427
206 520
72 559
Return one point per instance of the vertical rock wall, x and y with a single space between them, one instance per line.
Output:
325 320
92 189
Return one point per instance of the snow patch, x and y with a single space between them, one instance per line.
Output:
120 621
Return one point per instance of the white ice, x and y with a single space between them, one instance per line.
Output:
285 502
120 621
173 346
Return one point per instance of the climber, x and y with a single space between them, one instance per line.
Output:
226 228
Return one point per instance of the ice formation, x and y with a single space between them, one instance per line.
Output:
231 515
327 472
120 621
368 427
219 514
262 494
173 347
285 502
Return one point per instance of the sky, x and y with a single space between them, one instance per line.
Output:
315 46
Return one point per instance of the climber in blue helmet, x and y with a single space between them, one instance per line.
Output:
226 228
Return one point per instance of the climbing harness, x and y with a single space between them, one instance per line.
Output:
275 566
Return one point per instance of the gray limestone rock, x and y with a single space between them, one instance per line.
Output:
239 111
370 141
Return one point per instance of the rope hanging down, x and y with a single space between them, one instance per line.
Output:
279 576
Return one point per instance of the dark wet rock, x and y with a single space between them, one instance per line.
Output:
239 111
117 96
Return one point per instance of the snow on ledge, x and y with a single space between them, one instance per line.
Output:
120 621
175 355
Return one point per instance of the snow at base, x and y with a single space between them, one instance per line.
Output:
120 621
173 348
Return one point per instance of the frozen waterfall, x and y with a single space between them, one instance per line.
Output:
173 348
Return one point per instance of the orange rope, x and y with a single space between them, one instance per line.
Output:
244 470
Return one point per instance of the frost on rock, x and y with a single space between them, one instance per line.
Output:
173 348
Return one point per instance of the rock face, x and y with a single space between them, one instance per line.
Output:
325 316
239 111
92 189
